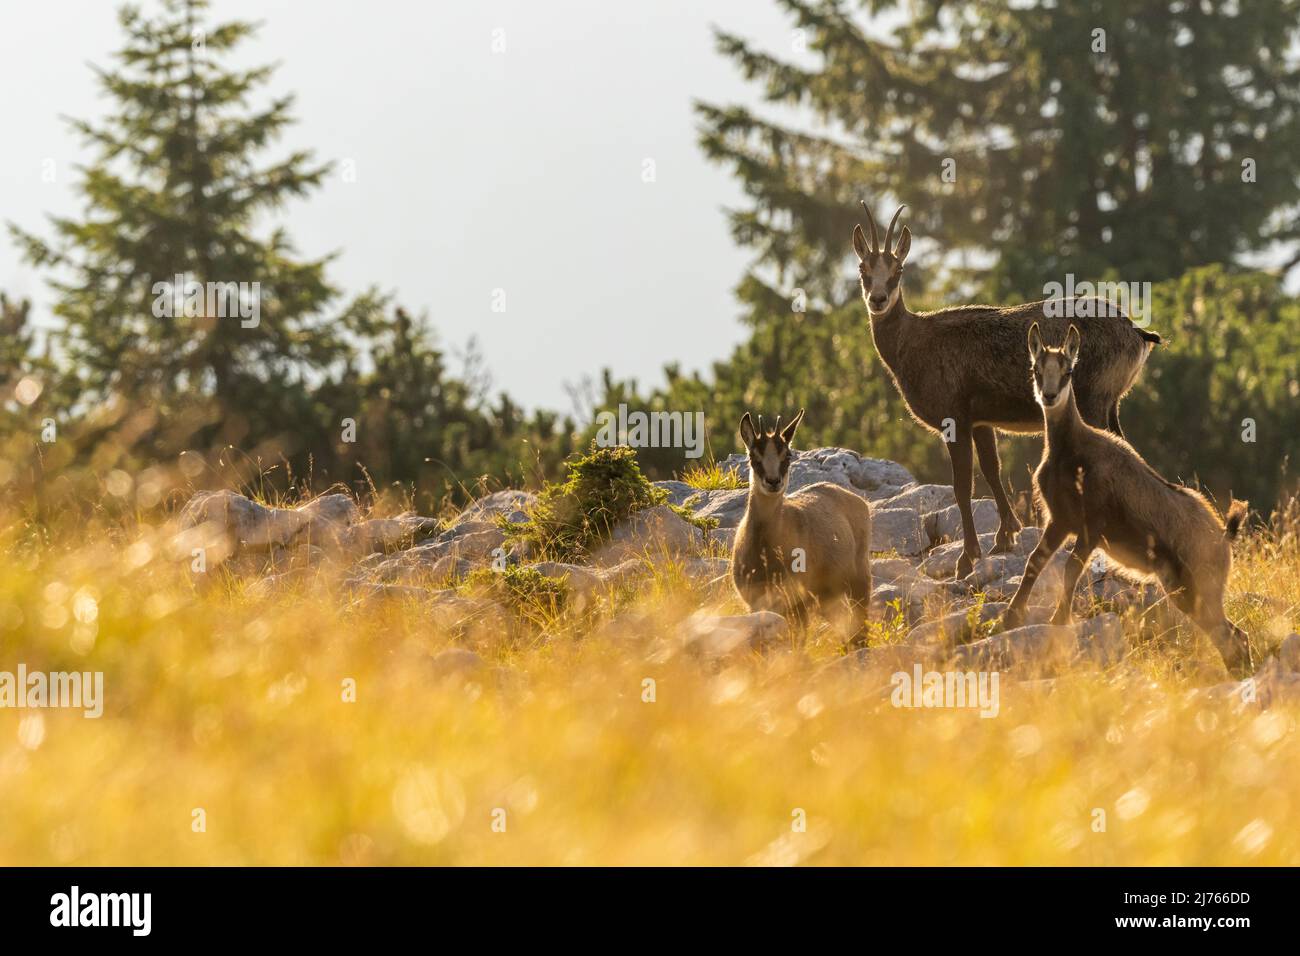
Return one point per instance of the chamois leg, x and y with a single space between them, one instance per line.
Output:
857 622
963 477
1074 567
1229 640
1053 536
986 446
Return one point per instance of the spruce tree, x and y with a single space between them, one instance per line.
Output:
178 186
1140 136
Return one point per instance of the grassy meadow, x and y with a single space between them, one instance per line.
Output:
227 737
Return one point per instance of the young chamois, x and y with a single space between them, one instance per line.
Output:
960 374
1093 485
811 547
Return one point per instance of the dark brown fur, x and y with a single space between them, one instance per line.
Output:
1093 485
965 364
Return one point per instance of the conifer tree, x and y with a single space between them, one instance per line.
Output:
179 187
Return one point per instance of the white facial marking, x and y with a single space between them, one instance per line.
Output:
880 298
1051 385
769 471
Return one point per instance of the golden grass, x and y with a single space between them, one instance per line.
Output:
223 700
712 477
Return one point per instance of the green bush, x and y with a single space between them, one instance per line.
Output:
603 487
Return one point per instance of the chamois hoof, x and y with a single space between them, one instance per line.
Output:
966 564
1005 543
1237 659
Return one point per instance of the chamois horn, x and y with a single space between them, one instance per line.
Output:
871 221
889 236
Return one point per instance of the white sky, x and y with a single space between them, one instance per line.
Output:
475 170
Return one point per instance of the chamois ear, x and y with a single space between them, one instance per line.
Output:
747 434
1035 343
859 243
904 245
787 433
1072 342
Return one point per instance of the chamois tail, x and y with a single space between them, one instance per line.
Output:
1237 512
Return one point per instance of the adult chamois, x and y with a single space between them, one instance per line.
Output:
812 547
961 374
1093 485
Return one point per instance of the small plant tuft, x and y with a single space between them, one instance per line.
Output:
712 477
604 487
526 591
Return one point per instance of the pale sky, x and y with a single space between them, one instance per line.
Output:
475 170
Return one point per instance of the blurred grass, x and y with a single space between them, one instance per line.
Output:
222 698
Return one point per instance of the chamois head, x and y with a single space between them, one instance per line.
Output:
769 453
1052 367
881 269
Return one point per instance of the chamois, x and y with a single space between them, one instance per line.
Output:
959 375
1093 485
811 547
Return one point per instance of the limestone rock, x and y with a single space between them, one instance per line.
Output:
714 636
898 530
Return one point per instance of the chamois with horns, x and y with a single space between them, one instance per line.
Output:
960 373
812 547
1093 485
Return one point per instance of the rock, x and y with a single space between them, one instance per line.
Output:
654 532
1003 589
704 570
330 515
441 558
584 582
907 595
869 477
474 545
511 503
578 579
1288 653
923 499
957 628
1269 687
387 534
886 570
727 507
449 568
1034 647
995 567
240 521
370 590
898 530
946 525
1026 541
942 561
679 492
450 611
889 657
1102 640
714 636
723 539
456 662
1043 647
